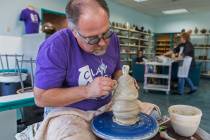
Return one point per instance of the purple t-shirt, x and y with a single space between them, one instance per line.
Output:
62 63
31 20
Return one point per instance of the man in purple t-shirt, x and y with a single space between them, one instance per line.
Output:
76 67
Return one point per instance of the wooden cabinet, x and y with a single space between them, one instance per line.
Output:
164 42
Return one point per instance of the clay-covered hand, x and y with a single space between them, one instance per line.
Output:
100 86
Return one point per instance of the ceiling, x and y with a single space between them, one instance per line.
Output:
154 7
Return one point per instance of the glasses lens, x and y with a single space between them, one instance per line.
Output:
96 39
93 41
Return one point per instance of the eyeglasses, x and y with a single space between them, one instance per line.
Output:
93 40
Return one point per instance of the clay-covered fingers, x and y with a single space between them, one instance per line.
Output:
100 86
108 83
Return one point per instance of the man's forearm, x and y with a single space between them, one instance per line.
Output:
168 53
59 96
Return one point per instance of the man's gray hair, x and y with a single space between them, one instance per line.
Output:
74 9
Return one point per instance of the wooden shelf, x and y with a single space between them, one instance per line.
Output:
124 45
156 87
163 41
125 60
128 53
163 45
136 46
123 37
132 45
199 34
134 31
163 76
131 30
150 53
205 74
202 47
158 53
120 28
143 39
143 46
133 38
208 60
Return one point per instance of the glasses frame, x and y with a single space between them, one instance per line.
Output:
99 37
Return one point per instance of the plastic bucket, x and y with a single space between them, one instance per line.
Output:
9 88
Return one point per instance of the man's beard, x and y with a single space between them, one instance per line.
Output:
101 51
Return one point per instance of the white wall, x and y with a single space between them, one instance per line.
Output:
30 44
27 45
10 45
175 23
123 14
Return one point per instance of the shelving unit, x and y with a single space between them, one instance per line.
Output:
132 40
201 44
164 42
154 86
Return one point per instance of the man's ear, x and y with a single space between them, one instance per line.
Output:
74 32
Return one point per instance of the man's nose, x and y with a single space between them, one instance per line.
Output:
102 42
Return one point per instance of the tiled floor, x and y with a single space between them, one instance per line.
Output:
200 99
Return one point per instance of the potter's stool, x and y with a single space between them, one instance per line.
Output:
104 127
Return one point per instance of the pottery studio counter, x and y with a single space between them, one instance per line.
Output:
8 113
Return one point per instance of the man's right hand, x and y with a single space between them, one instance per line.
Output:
100 86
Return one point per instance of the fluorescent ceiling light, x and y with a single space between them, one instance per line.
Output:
140 0
176 11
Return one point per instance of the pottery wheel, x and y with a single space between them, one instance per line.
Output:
104 127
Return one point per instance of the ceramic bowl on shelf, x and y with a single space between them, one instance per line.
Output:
185 119
203 57
183 30
203 31
196 30
113 24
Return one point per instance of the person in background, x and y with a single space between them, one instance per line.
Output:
140 57
185 48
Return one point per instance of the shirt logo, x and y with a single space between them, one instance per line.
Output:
87 75
34 18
